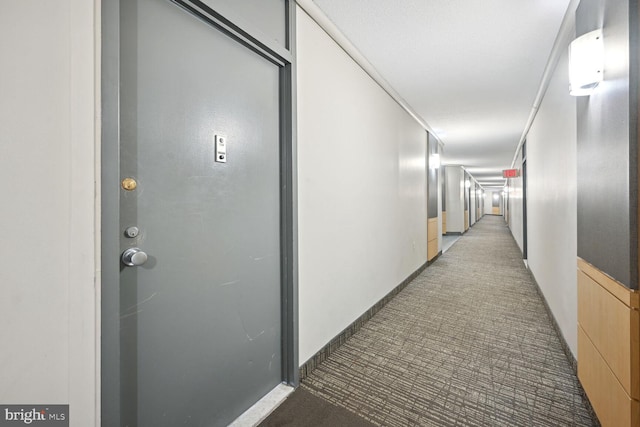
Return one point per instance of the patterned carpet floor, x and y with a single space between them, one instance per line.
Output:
467 343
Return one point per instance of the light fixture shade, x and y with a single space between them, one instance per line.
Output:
586 63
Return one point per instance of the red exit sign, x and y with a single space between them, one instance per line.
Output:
510 173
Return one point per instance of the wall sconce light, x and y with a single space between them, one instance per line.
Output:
434 161
467 184
586 63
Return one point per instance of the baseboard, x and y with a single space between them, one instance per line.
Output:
455 233
565 347
434 259
310 365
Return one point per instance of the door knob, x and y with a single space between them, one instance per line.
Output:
134 257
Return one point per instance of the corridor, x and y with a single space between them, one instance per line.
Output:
467 343
323 204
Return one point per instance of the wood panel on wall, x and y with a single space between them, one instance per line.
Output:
432 238
612 404
466 220
444 222
609 346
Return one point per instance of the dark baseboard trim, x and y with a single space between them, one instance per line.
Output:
310 365
565 347
454 233
434 258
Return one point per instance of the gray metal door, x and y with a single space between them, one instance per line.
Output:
200 319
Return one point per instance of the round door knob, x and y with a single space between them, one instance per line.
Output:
134 257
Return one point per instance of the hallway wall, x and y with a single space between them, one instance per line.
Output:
47 224
362 190
607 149
551 204
607 219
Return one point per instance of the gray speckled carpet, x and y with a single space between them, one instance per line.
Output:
467 343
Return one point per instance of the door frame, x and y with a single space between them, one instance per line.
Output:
284 56
524 201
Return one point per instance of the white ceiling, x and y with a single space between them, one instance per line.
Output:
470 68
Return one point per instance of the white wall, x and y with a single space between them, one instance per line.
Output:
455 199
47 166
551 202
362 190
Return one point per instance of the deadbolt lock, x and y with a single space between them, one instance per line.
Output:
129 184
132 231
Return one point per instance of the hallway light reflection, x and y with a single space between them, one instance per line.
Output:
434 161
